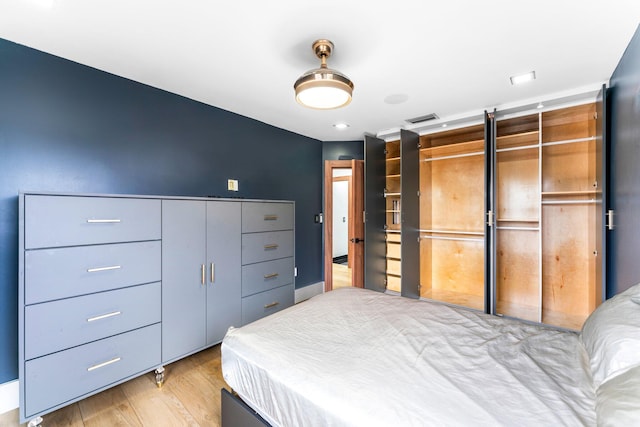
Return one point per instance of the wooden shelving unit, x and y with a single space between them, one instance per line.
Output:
546 206
571 202
451 216
393 215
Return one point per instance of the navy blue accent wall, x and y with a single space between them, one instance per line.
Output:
334 150
624 185
70 128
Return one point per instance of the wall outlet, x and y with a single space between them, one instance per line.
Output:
232 184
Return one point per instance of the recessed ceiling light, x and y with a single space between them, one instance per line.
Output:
341 126
540 105
522 78
444 125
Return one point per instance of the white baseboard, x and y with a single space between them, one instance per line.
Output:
9 396
309 291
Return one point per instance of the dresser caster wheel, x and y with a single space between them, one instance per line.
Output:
159 377
36 422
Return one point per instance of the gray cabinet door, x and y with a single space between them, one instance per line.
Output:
224 270
375 261
183 283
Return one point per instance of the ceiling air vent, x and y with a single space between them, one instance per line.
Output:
422 119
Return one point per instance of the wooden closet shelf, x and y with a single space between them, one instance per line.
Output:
517 135
455 147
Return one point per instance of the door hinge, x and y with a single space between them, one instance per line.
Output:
364 217
490 218
610 225
418 192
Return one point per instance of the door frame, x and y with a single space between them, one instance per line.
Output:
329 166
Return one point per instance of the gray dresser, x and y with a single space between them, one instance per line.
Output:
112 287
267 259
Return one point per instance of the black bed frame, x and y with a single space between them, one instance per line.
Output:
236 413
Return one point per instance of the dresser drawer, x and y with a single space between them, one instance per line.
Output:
259 305
266 275
258 247
57 325
52 221
266 216
66 272
61 377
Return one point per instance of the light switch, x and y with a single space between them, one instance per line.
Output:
232 184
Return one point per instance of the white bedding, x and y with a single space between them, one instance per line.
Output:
353 357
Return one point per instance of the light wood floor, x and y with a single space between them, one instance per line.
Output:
341 277
190 396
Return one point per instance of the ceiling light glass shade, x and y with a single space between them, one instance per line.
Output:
323 88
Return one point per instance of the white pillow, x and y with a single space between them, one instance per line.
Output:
618 400
611 336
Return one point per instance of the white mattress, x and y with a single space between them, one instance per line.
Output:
353 357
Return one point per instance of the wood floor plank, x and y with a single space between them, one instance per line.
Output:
197 394
190 397
98 403
69 416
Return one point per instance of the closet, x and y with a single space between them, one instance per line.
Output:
502 215
547 209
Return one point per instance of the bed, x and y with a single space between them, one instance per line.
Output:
354 357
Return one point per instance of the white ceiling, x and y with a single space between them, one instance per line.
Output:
452 58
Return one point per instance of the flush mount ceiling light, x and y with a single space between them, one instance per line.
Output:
323 88
522 78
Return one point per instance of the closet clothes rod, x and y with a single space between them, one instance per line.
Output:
519 228
464 233
523 147
454 156
569 141
458 239
571 202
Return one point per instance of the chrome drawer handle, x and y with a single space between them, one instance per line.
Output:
103 221
271 217
273 246
112 267
103 364
273 304
104 316
271 276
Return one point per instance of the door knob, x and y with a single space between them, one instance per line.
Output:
357 240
